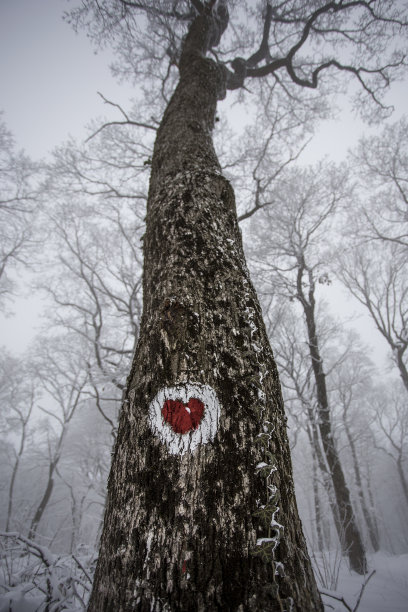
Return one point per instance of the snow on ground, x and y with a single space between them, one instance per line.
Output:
386 591
20 604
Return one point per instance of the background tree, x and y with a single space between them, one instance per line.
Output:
381 165
287 332
297 257
96 246
393 425
17 397
63 377
18 203
375 268
349 381
377 277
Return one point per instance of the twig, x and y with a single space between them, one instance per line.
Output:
363 586
126 122
82 568
342 600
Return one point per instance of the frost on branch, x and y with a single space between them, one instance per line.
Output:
33 578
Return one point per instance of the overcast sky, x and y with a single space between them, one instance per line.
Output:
49 75
49 79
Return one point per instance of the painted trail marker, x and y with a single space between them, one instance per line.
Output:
185 416
181 417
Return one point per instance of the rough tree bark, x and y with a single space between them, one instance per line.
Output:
196 521
349 534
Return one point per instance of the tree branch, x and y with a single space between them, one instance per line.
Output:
126 122
263 50
248 68
150 8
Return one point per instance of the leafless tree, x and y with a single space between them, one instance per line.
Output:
17 399
374 265
392 419
349 383
18 204
381 164
378 278
295 236
83 470
62 375
292 356
100 298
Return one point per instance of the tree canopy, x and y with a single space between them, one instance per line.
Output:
294 44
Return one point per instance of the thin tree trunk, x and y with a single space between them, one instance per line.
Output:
11 490
53 465
402 367
350 536
43 503
372 505
24 421
314 440
401 474
202 518
318 510
68 413
372 532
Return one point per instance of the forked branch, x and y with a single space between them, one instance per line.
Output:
243 68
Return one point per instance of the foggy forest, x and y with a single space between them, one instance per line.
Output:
213 413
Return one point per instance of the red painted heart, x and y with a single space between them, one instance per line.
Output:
182 418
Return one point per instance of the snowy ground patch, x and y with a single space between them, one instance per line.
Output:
386 591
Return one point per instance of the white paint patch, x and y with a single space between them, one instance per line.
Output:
206 430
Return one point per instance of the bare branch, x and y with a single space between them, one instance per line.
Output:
263 51
149 7
127 121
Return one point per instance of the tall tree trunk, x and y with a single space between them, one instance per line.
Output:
201 511
11 490
49 487
24 421
318 509
318 460
372 504
32 534
318 457
372 532
350 535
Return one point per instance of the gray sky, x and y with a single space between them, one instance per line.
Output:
49 75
